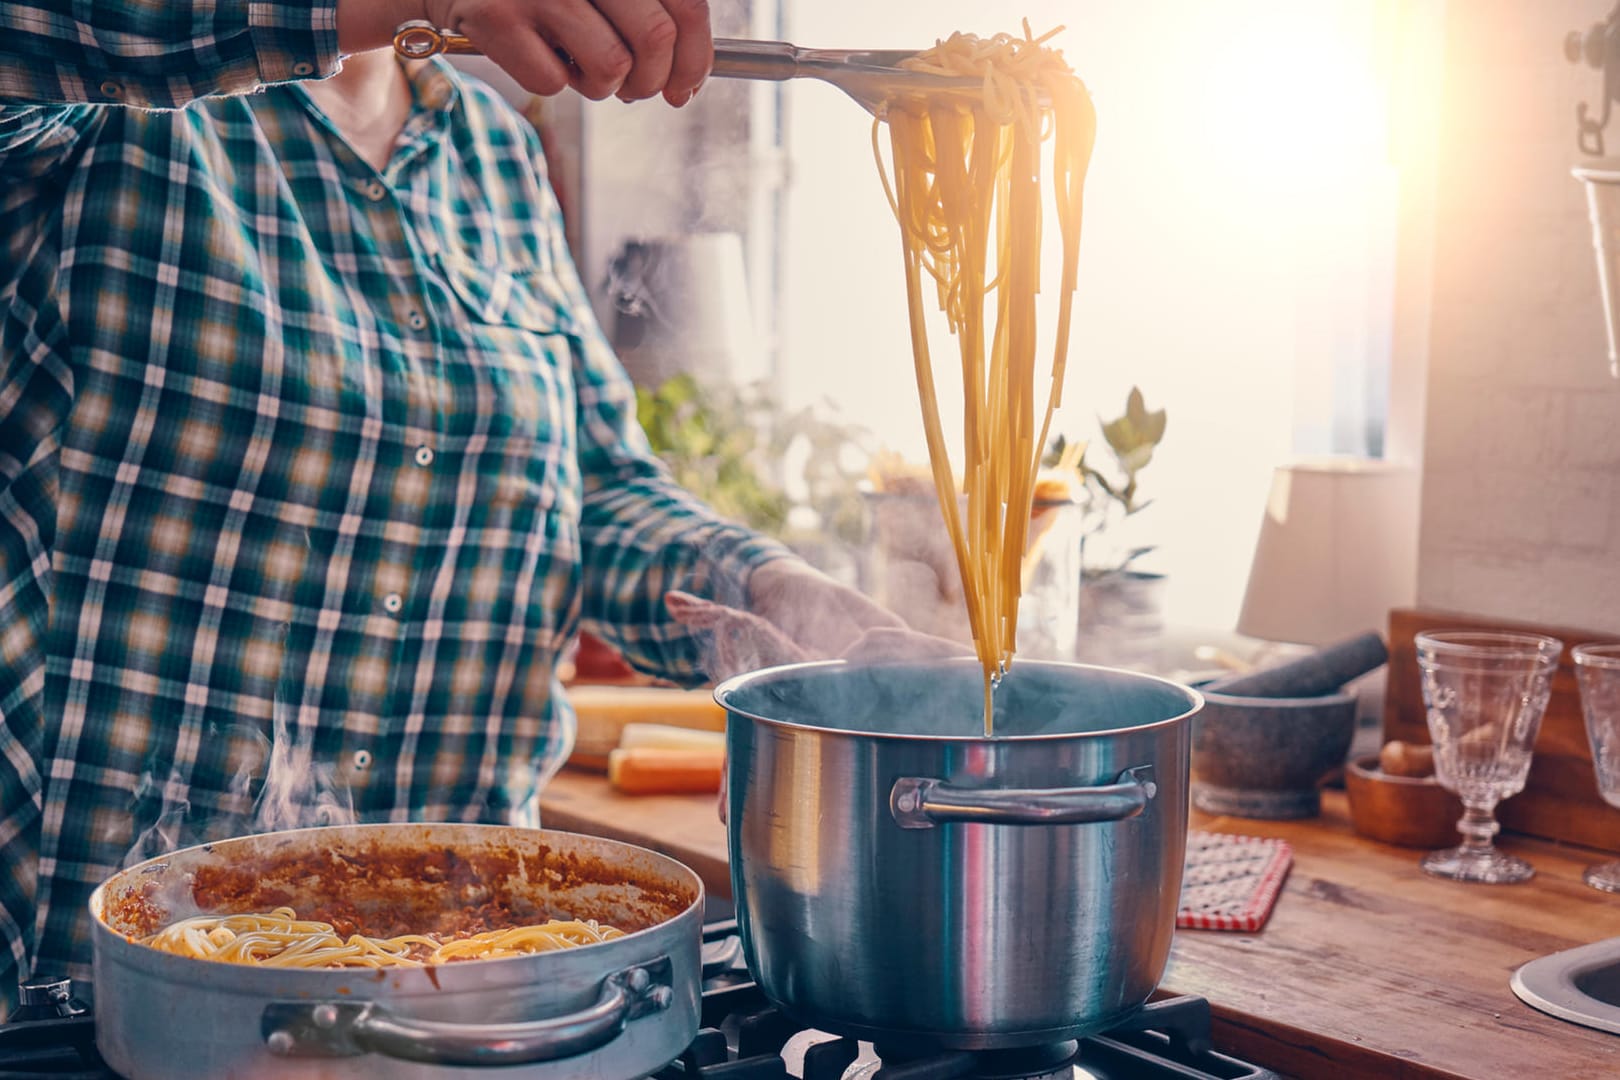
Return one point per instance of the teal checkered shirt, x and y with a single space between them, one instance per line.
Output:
286 441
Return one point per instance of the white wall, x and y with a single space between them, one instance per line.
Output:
1522 454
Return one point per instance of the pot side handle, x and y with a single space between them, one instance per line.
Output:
920 803
348 1028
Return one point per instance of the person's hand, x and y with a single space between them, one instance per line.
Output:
736 641
630 48
815 612
797 614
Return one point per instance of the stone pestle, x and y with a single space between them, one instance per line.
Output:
1324 671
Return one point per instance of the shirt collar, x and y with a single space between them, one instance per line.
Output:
436 93
434 82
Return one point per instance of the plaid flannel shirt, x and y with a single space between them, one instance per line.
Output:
285 439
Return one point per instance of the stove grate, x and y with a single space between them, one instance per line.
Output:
744 1038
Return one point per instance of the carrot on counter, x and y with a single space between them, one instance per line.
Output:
664 771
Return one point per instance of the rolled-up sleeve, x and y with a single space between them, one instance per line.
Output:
642 534
158 55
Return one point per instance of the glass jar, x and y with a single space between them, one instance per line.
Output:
909 566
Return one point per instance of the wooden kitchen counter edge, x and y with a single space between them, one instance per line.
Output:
1367 968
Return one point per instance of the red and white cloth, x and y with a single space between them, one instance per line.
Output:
1231 882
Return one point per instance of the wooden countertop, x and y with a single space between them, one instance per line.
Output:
1367 968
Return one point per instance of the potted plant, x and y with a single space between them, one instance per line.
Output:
711 437
1120 605
791 474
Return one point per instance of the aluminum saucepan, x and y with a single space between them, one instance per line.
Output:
618 1009
898 875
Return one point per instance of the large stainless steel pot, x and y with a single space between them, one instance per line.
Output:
897 874
616 1010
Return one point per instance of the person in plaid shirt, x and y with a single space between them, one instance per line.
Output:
306 426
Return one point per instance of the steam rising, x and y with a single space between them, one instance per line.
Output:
943 698
276 783
299 791
736 641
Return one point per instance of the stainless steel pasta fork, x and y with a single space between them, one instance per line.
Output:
872 77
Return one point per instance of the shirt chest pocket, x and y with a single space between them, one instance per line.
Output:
508 344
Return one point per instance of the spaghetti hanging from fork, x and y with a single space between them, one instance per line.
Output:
966 191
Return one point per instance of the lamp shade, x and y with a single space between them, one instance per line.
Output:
1602 180
1337 550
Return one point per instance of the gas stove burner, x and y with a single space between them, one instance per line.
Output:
744 1037
1054 1061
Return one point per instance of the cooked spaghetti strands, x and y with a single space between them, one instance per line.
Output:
966 182
281 939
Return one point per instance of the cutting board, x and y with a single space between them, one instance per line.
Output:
603 710
1560 801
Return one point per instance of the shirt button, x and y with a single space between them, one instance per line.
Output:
417 320
393 602
375 191
302 68
424 456
112 89
362 760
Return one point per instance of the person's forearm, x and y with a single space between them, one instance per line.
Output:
644 536
162 56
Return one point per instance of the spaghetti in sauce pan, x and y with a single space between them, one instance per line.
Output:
376 896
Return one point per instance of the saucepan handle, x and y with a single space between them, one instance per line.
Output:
921 803
347 1028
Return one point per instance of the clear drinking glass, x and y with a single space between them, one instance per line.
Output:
1597 667
1485 693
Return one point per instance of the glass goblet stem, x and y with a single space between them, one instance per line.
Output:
1478 826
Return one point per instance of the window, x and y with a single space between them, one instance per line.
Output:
1239 256
1237 262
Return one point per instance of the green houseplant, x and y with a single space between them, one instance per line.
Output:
1112 497
1120 605
732 447
790 473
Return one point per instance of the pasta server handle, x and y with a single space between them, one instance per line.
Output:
872 77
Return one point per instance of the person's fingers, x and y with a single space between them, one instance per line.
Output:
736 641
650 33
525 55
635 48
942 558
813 609
601 60
694 49
693 611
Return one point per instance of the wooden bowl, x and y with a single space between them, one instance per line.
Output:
1412 811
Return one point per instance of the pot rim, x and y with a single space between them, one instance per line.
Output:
731 686
437 978
1278 704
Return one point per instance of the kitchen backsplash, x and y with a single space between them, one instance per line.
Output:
1522 435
